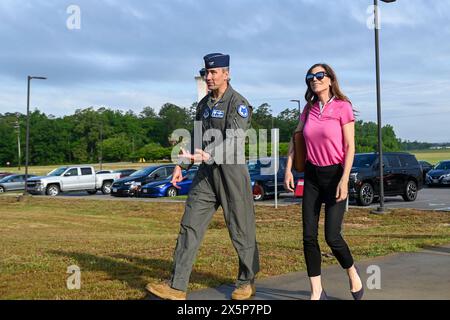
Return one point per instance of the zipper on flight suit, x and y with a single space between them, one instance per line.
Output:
235 123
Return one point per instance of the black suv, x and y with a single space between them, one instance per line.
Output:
403 176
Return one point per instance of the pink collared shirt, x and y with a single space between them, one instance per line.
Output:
323 132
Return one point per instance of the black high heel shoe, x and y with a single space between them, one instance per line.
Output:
323 295
359 294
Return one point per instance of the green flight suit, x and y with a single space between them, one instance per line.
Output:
219 184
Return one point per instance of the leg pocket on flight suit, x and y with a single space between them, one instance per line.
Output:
242 223
189 210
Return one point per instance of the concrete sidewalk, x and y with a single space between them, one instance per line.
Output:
422 275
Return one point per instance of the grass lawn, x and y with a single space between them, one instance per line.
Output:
121 246
432 156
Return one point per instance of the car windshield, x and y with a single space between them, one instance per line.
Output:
4 179
364 160
57 172
142 172
255 166
443 166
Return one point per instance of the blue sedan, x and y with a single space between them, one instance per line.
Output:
164 188
439 175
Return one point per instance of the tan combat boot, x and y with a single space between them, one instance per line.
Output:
164 291
244 292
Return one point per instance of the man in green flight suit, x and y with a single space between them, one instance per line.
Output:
222 180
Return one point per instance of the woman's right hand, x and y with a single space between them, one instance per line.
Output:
289 181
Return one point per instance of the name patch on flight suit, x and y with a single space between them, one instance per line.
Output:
242 111
217 114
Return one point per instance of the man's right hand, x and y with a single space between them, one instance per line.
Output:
289 181
177 176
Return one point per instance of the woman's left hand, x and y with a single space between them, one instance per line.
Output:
342 191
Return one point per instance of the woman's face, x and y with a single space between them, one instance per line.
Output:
318 86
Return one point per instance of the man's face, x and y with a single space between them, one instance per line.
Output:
216 78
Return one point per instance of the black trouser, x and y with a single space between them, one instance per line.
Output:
320 187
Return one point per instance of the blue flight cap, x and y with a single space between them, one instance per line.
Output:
202 72
217 60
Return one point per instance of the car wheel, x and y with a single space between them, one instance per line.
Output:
410 191
92 192
2 190
53 190
106 188
366 195
258 192
172 192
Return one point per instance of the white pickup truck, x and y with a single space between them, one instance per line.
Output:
72 178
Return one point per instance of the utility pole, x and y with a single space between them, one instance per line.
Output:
101 145
19 156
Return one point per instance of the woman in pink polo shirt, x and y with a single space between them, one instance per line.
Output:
328 126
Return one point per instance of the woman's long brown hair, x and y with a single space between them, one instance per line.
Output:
311 98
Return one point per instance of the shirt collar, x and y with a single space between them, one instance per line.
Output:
329 101
226 96
321 107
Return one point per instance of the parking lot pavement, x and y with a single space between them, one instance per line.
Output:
403 276
436 198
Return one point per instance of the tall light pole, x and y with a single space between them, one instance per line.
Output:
380 209
17 127
27 146
299 107
101 144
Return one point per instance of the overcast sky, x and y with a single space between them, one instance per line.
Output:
132 54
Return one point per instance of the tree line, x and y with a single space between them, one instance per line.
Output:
89 135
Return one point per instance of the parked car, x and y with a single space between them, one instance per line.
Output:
5 174
299 188
125 172
13 182
164 188
263 181
439 175
74 178
130 186
426 166
402 176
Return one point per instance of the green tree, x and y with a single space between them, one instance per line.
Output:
287 121
173 117
117 148
262 117
153 151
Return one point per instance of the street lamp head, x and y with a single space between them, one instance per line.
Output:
38 78
388 1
